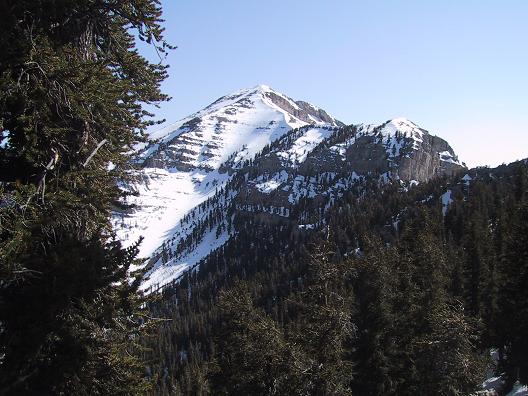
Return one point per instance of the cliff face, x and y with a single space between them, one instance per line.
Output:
304 111
434 158
321 163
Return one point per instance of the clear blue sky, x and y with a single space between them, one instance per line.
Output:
458 68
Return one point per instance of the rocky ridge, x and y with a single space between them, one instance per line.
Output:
259 152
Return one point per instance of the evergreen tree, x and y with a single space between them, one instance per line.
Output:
72 90
445 353
326 325
253 356
513 298
439 354
374 347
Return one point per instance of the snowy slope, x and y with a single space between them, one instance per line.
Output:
164 197
304 145
181 168
195 171
243 122
315 162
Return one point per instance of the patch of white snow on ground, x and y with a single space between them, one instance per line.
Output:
493 383
162 274
467 179
164 197
304 145
446 201
519 390
268 187
271 185
446 156
404 127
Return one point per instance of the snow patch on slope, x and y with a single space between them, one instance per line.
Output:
467 179
446 200
163 273
446 156
519 390
304 145
405 127
272 184
163 198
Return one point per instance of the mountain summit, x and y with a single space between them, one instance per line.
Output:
243 122
259 152
179 169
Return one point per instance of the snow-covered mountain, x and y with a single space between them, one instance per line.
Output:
241 123
180 168
259 152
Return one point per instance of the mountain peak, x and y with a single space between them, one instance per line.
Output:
256 89
187 161
402 120
400 124
403 127
263 88
242 122
187 170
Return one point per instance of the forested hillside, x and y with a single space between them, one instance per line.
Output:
399 290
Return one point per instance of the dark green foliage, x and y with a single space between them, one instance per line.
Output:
412 339
444 353
72 87
254 358
324 324
375 344
513 297
426 300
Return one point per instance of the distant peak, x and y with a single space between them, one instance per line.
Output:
259 88
263 88
402 126
401 121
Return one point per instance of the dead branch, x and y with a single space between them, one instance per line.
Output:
101 143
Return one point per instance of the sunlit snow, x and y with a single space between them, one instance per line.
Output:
304 145
235 127
446 201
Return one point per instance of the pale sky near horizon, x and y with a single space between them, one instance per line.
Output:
456 68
